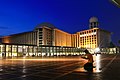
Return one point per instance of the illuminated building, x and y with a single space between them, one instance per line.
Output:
43 34
94 38
44 40
21 38
47 40
48 34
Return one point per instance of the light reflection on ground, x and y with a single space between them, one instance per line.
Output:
29 61
23 60
96 65
47 59
59 68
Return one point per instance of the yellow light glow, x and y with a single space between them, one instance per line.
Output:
47 59
89 34
97 50
98 65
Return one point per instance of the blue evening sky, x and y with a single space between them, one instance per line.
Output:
18 16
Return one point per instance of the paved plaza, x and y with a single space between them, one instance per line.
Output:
107 67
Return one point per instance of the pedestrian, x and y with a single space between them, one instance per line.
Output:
89 65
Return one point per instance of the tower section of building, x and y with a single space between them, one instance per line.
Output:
93 22
45 34
48 34
93 38
88 38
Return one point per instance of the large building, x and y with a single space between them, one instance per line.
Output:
48 34
43 34
47 40
93 38
21 38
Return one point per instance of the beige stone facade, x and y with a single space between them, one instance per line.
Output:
51 36
62 38
93 38
21 38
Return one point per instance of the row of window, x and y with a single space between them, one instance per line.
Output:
87 43
94 23
86 32
88 36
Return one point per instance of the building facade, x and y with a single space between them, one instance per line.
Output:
47 39
62 38
48 34
93 38
21 38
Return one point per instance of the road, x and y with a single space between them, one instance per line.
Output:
60 68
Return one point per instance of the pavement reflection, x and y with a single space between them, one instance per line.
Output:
59 68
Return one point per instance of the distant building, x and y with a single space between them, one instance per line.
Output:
21 38
47 40
43 34
48 34
93 38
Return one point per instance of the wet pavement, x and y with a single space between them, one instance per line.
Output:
60 68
